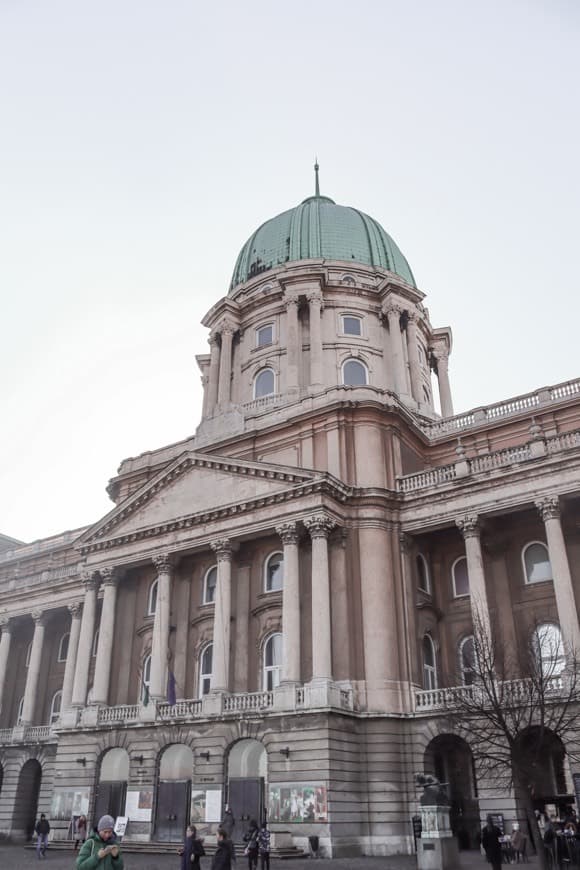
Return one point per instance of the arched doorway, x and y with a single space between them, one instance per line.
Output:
450 759
247 773
26 803
544 768
174 793
112 784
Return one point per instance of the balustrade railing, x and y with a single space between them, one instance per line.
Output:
122 713
264 402
251 701
499 458
507 691
563 442
180 710
35 733
5 735
424 479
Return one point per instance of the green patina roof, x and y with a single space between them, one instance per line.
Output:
319 228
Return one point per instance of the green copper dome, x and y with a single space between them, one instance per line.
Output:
319 228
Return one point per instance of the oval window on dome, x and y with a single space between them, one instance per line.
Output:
264 383
354 373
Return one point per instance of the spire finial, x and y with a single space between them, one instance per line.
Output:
316 183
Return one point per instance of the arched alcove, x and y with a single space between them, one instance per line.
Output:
111 790
173 805
449 758
247 775
26 802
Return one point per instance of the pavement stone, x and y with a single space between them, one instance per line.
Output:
18 858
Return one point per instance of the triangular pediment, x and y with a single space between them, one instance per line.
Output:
194 484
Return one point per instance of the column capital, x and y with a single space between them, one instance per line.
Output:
440 356
319 525
290 300
163 562
288 532
314 297
213 338
405 542
469 526
223 549
5 624
39 617
549 507
90 580
392 309
226 327
75 609
110 576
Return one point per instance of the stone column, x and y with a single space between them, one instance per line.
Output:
5 642
470 529
409 585
379 618
243 616
444 386
320 526
75 611
222 616
563 588
160 644
182 595
413 354
106 635
81 681
288 533
214 373
32 677
205 389
227 333
342 623
315 307
292 345
394 319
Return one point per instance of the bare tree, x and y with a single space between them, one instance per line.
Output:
514 706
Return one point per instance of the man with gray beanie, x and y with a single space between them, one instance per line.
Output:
100 851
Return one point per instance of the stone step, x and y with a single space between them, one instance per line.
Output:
158 848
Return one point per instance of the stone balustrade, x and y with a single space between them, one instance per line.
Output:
496 460
263 403
508 691
28 734
180 710
122 713
252 701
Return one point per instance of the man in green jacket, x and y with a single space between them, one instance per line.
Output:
100 851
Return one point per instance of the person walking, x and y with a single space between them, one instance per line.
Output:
42 829
224 855
192 850
81 831
101 851
228 822
490 840
251 838
264 846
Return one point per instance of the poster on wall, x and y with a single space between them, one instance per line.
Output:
67 803
213 805
297 802
139 804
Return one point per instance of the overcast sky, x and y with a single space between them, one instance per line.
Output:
141 142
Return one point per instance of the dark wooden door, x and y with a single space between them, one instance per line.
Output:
173 810
246 799
110 800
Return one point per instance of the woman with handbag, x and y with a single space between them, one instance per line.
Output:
251 850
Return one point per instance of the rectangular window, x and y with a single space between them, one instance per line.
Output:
265 335
351 325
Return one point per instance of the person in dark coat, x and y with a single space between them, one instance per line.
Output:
490 840
264 846
222 860
186 850
251 838
228 822
42 829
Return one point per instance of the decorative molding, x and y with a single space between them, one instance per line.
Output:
5 625
549 508
469 526
75 609
39 617
288 533
319 525
110 576
163 563
222 547
405 543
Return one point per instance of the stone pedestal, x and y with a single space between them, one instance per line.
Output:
437 848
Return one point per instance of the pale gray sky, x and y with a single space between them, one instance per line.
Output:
142 142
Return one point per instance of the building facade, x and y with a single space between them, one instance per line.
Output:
272 610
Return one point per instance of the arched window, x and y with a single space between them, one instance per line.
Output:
63 647
95 643
429 664
152 598
20 709
209 586
146 679
549 649
354 373
467 660
265 335
274 571
264 383
536 561
460 577
55 707
28 652
423 578
272 661
205 670
351 325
